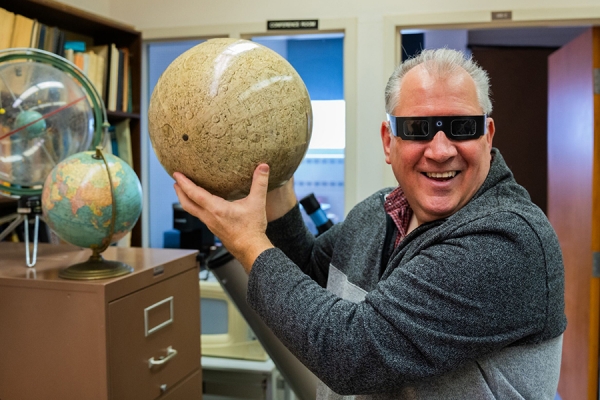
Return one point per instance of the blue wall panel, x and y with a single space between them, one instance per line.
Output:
161 194
320 63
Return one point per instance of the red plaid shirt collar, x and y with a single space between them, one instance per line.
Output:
397 207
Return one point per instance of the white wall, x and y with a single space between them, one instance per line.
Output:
100 7
146 14
371 44
456 39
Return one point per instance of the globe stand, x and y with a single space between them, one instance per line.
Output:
27 205
96 267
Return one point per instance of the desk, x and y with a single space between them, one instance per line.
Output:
93 340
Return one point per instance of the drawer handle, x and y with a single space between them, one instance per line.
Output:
171 352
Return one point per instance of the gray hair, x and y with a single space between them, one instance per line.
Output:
442 63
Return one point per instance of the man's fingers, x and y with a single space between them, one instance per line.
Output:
195 193
260 181
193 199
184 183
187 204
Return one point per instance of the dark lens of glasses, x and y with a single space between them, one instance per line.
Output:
416 127
463 127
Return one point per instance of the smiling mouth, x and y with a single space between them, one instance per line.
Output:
441 175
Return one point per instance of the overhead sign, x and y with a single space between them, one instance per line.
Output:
293 24
497 15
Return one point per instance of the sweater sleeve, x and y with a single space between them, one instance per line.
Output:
312 255
466 295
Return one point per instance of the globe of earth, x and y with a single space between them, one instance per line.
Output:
225 106
77 202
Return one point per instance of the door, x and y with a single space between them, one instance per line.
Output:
574 203
519 80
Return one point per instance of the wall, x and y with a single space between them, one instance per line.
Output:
370 47
145 14
100 7
323 76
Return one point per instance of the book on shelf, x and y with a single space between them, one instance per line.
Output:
60 45
101 70
49 43
117 141
89 65
78 60
40 38
75 45
22 31
112 137
129 93
107 143
123 139
70 55
35 34
92 68
113 78
7 23
126 78
119 105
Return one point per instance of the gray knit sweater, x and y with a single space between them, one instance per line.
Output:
470 306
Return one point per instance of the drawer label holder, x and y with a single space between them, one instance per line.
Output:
150 330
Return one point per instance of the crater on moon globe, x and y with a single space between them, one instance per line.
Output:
225 106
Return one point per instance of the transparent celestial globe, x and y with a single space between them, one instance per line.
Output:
45 116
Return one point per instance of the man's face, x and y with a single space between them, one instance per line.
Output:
441 175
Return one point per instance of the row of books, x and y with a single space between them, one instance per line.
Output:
106 66
118 141
19 31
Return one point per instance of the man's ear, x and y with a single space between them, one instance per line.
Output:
491 129
386 140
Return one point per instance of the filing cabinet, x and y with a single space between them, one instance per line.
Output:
130 337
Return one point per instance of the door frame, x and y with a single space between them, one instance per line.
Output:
465 20
558 17
347 26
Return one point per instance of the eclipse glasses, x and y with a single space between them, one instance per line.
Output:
457 127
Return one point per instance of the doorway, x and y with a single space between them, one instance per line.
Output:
516 60
319 60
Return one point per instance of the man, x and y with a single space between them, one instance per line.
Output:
448 287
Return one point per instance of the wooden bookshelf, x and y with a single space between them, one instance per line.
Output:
95 30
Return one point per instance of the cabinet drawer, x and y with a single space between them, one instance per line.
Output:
153 338
189 389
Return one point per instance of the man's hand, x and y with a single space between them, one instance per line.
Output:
241 224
